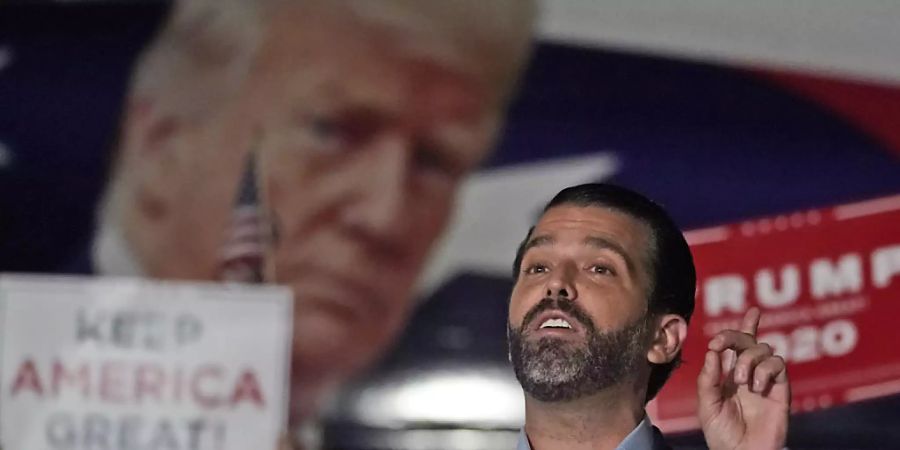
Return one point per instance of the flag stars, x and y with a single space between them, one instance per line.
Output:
780 223
813 217
6 57
6 156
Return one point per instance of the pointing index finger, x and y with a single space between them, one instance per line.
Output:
751 321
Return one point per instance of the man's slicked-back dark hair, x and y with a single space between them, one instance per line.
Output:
671 270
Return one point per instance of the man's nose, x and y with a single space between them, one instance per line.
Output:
379 204
561 283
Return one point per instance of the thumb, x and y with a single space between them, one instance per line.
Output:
709 384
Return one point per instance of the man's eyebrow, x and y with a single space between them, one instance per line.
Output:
539 241
606 244
592 241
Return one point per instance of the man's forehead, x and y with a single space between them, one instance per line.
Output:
590 225
296 33
587 218
365 64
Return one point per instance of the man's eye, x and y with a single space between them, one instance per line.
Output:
432 162
602 270
327 132
323 127
536 268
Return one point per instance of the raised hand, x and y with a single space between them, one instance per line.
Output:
744 393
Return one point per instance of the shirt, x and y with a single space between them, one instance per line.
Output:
640 438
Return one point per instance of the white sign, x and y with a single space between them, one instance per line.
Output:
128 364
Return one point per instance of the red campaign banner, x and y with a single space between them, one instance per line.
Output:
828 284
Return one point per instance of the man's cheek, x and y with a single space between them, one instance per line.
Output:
289 200
516 310
432 214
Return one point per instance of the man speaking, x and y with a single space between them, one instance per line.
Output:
604 289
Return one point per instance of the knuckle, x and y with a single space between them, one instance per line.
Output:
759 353
764 371
746 358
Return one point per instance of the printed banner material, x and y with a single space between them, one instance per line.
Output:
828 285
91 363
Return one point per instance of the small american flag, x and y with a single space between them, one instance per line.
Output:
249 234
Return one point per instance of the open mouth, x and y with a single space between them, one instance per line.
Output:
556 323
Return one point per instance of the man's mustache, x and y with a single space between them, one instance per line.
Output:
570 307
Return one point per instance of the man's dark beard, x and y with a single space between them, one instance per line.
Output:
553 370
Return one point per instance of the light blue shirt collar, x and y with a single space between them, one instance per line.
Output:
640 438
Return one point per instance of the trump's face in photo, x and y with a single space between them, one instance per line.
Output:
362 159
361 136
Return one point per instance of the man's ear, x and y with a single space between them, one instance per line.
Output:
668 339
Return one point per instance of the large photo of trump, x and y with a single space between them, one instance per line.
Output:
315 144
384 161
